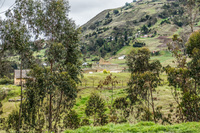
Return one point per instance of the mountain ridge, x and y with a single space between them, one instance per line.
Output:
119 27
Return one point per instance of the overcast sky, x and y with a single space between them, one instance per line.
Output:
81 10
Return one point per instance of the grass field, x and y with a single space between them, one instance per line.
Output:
12 92
142 127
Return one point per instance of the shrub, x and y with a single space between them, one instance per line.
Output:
96 107
139 44
6 80
12 121
92 27
85 122
95 59
71 120
115 11
104 71
165 21
1 110
107 21
122 104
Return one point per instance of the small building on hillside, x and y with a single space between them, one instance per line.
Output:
103 64
24 76
89 70
121 57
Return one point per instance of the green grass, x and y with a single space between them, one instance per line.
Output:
164 92
40 54
198 23
88 79
165 58
12 92
151 43
125 50
142 127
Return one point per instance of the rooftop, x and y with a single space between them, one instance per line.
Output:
24 73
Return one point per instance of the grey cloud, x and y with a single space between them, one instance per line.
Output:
81 10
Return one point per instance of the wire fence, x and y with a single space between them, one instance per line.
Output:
95 83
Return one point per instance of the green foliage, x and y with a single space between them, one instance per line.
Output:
92 27
138 44
115 11
184 80
5 66
5 80
108 15
144 29
145 18
165 21
138 61
171 10
71 121
1 109
105 71
121 104
107 21
85 122
140 127
53 91
152 22
144 79
193 43
180 21
96 107
12 121
100 46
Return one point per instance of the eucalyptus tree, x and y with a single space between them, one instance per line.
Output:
96 107
48 19
184 80
192 11
63 53
15 36
144 78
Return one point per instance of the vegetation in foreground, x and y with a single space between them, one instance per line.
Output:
49 100
141 127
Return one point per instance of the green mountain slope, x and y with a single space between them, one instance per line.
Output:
152 22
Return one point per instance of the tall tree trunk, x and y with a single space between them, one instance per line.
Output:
20 110
50 113
50 109
148 105
58 110
152 104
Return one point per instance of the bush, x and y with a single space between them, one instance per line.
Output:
6 80
96 107
1 109
71 120
165 21
104 71
85 122
115 11
107 21
92 27
95 59
12 121
139 44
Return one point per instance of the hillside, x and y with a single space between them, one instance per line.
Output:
152 22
